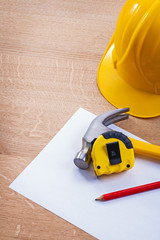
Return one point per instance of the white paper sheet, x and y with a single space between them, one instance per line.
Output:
54 182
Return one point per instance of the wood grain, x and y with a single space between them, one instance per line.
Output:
49 56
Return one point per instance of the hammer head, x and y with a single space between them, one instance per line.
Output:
95 129
83 157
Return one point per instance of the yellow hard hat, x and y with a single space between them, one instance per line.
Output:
129 72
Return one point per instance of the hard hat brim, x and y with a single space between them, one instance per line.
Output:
120 94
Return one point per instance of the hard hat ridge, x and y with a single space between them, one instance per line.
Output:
138 50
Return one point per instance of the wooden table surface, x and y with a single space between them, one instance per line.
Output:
49 55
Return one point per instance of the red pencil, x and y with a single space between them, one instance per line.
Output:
129 191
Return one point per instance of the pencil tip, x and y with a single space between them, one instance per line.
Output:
99 198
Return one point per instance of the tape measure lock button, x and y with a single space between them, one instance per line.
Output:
113 153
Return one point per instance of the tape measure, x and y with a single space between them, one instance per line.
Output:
112 152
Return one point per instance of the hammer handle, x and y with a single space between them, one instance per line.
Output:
146 149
